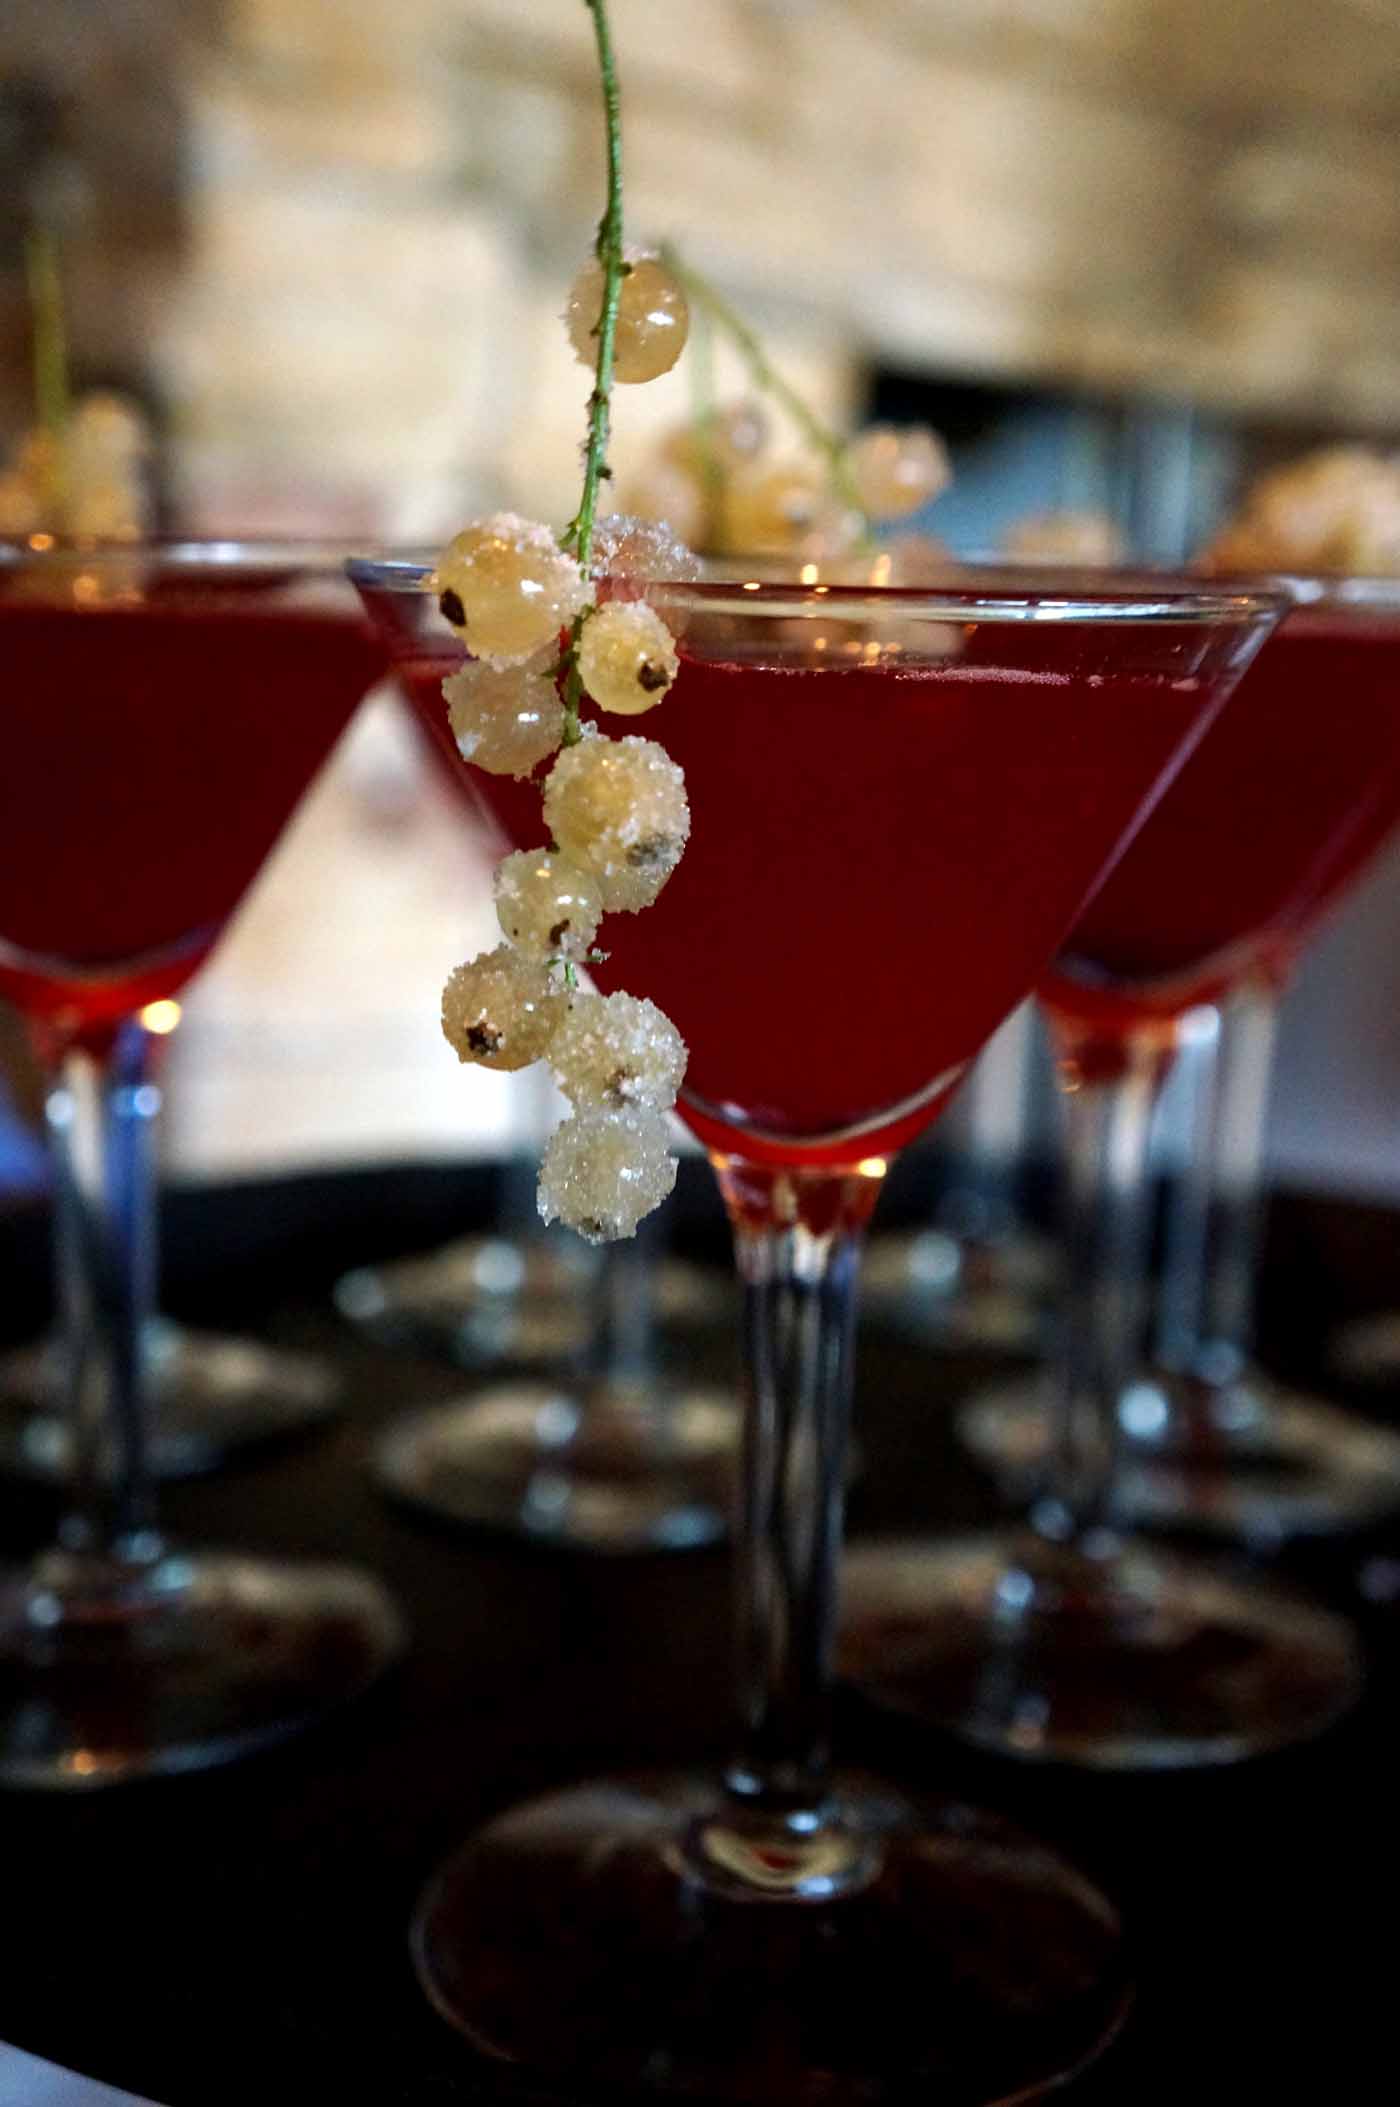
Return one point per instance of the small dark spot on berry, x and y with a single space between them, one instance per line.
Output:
651 677
594 1227
652 852
452 608
483 1039
558 933
617 1086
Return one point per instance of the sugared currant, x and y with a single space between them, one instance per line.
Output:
507 719
602 1171
653 317
507 587
629 552
617 1050
627 658
501 1010
898 468
546 906
618 808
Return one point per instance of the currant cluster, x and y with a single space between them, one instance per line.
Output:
1334 510
89 481
546 624
721 483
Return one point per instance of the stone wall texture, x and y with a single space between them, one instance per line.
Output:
337 233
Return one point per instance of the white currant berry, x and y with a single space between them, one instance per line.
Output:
507 587
898 468
627 658
653 317
618 808
602 1171
629 553
770 511
617 1050
546 906
501 1010
505 719
731 440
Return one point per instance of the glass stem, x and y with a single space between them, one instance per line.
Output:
798 1238
100 1113
1207 1326
1110 1094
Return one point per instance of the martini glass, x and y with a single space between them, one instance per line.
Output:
900 801
1207 1440
1067 1639
164 708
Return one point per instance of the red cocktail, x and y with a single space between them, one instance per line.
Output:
155 746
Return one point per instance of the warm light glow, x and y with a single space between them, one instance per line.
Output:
810 573
873 1166
161 1017
41 541
880 570
750 585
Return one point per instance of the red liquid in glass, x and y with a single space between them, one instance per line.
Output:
1278 810
152 754
881 860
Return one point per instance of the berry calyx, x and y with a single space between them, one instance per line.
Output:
627 658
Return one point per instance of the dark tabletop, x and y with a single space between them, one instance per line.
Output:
239 1935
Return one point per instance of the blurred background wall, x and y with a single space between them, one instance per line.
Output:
1122 250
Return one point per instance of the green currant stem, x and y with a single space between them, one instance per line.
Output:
50 352
767 379
579 534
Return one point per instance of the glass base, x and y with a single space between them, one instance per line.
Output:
211 1395
111 1672
1127 1659
959 1297
492 1298
1367 1351
1265 1463
572 1937
526 1457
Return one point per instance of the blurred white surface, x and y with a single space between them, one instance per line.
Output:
26 2081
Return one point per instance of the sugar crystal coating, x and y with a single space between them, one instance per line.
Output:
547 907
507 587
602 1171
653 317
617 1050
627 658
505 719
618 808
501 1010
